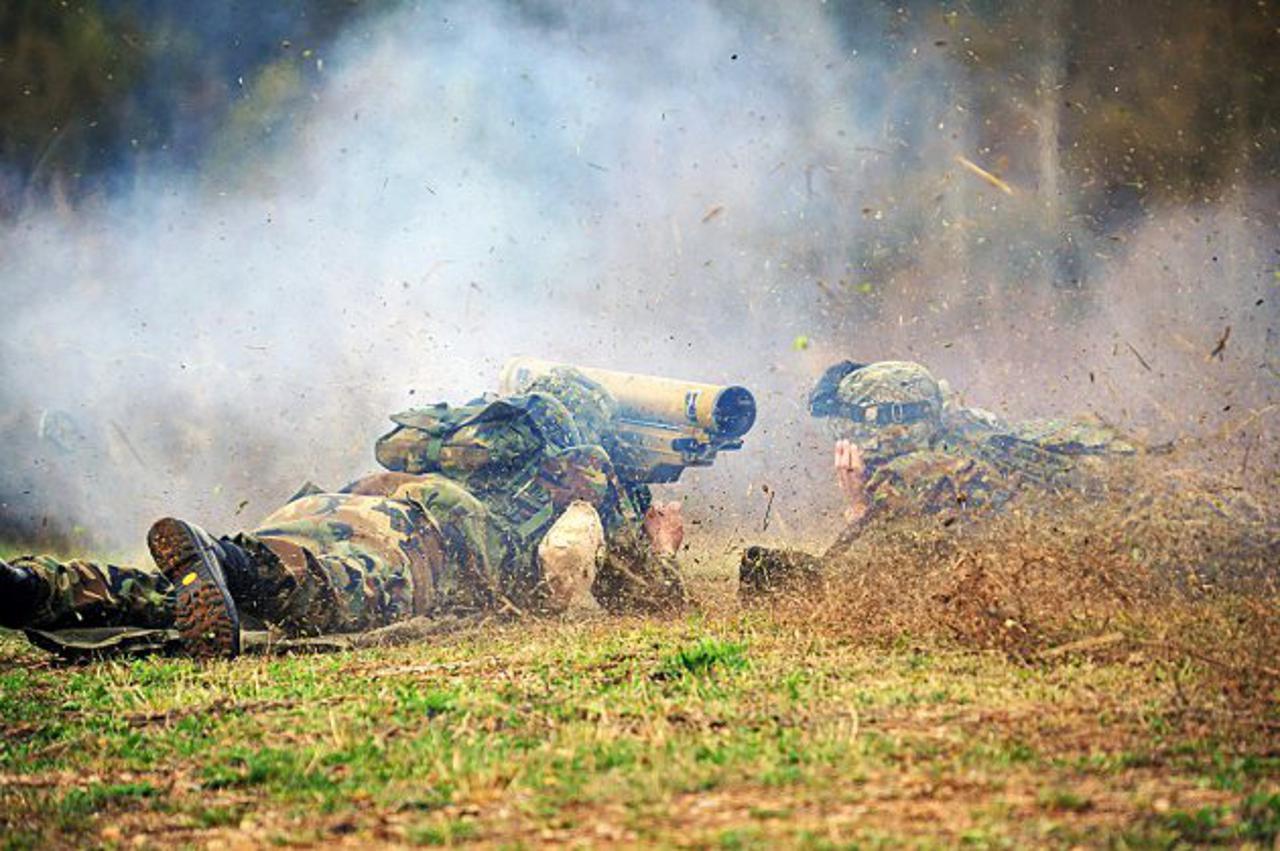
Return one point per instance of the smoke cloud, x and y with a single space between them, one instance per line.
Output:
727 194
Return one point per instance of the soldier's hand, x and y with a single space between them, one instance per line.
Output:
850 475
664 526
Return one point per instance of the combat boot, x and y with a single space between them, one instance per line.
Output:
204 613
764 573
21 594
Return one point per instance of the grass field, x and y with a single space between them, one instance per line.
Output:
723 730
1077 679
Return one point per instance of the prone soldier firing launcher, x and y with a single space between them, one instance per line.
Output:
502 500
662 424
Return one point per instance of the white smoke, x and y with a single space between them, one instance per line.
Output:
674 188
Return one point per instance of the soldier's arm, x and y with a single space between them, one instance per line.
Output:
868 497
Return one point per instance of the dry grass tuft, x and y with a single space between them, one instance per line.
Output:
1160 565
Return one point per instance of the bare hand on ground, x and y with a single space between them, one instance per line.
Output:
664 524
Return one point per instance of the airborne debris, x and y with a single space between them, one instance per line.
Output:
1138 355
128 444
713 212
1092 643
1222 345
984 174
768 508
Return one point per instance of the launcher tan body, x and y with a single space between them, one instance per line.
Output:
663 424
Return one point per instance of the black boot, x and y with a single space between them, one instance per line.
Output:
300 601
765 572
21 593
254 573
205 614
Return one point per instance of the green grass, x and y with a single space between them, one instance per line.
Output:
703 658
723 731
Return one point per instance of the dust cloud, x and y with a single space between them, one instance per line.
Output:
734 194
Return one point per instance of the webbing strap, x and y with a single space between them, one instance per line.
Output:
529 528
885 413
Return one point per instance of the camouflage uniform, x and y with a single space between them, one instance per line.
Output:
924 453
526 457
386 548
453 527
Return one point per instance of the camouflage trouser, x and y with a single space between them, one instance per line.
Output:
388 547
85 594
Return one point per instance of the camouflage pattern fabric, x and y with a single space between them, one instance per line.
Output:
390 549
94 643
890 381
353 561
526 457
1074 437
83 593
593 407
956 458
934 482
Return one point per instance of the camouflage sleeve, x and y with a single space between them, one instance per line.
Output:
578 472
969 420
637 498
586 472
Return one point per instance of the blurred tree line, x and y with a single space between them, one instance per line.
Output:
1135 101
1154 99
1085 116
93 91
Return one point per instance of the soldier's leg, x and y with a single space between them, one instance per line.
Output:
340 563
80 594
474 573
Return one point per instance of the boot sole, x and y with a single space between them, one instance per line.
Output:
204 612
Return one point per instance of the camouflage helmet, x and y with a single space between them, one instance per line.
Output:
896 385
888 408
593 408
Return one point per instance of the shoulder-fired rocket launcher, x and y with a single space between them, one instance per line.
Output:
662 424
